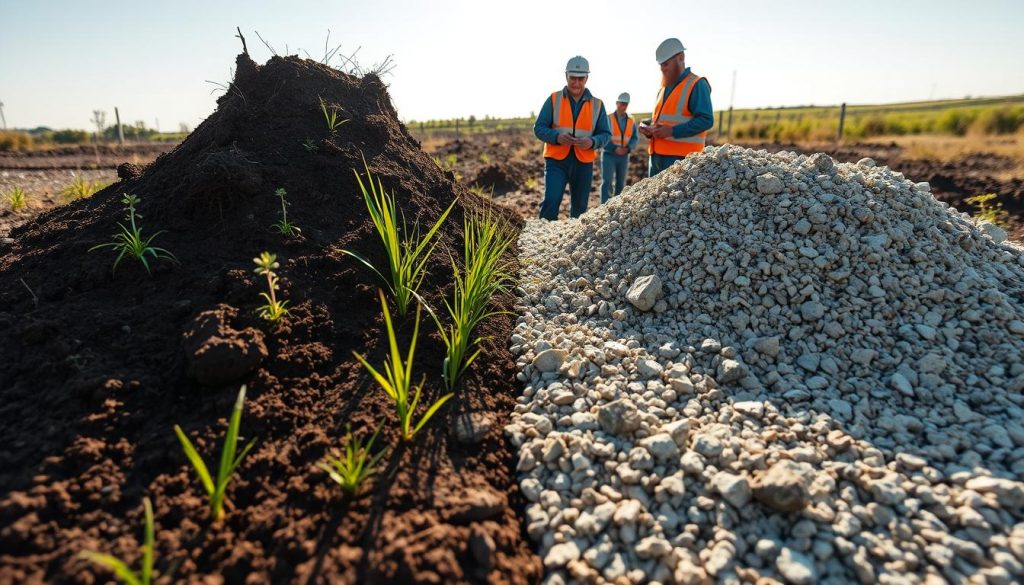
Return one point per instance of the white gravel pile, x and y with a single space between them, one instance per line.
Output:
770 366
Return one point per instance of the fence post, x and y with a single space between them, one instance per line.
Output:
728 132
721 116
456 128
842 120
120 130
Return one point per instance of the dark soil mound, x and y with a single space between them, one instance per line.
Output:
98 369
502 177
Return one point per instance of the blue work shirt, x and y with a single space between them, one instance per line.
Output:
542 129
631 144
700 107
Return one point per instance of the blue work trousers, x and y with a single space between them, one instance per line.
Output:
614 168
660 162
557 174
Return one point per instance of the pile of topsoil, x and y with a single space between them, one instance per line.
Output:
99 367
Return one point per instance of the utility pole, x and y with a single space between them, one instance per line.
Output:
732 98
2 118
120 130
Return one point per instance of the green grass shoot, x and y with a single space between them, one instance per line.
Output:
406 251
80 188
396 380
121 568
331 117
17 199
229 460
354 466
990 209
310 146
485 242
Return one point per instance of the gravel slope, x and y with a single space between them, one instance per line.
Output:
771 366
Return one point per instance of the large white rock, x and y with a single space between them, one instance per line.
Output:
644 292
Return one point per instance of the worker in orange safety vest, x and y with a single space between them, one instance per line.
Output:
615 161
682 114
573 126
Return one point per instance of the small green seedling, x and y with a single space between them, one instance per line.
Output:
310 146
479 191
396 380
485 158
273 310
282 226
354 466
119 567
331 117
217 491
18 199
129 242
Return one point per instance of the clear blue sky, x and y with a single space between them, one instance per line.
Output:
61 59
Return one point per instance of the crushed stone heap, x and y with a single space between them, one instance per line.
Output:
771 365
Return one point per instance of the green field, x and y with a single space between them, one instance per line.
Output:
988 116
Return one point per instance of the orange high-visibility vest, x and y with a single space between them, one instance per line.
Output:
582 127
675 109
620 138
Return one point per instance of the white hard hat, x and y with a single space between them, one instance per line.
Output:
623 97
577 67
669 48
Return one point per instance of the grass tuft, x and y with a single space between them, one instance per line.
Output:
486 240
396 380
354 466
18 199
331 117
80 188
119 567
406 251
217 490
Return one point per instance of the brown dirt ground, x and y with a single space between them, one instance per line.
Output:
97 366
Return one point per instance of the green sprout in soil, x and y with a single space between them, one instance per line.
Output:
18 199
532 184
217 490
479 191
129 242
486 240
990 209
396 380
354 466
119 567
273 310
80 188
485 158
407 253
282 226
448 165
310 146
331 117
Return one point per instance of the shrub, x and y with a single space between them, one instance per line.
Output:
13 141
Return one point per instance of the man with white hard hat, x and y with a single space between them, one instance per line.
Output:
682 114
615 161
573 126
